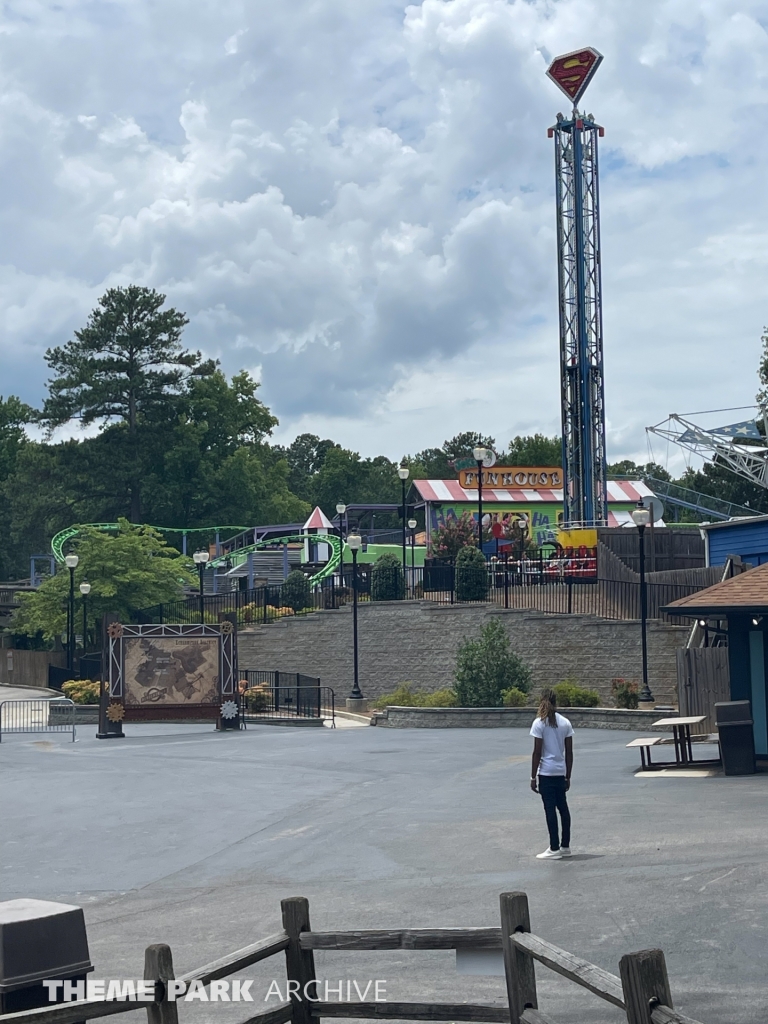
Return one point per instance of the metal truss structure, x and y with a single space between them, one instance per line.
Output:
581 321
747 458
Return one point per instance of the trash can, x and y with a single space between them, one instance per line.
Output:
39 940
737 739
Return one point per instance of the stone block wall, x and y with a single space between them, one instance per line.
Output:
416 642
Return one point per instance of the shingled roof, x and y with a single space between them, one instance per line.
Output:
747 592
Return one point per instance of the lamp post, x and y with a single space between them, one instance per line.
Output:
403 472
341 508
71 563
412 524
480 455
85 589
200 558
641 516
355 543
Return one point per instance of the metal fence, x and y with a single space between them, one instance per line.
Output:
26 716
542 586
284 695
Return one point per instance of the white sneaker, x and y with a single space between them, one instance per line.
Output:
550 855
566 851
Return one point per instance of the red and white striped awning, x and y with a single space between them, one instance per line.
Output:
451 490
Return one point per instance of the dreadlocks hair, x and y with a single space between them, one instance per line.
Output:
548 707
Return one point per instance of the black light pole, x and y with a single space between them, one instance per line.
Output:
71 563
200 558
480 454
403 472
641 516
85 589
355 543
412 524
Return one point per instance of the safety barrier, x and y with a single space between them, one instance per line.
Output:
20 716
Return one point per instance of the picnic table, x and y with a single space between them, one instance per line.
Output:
681 732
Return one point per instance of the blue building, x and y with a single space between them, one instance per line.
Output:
745 537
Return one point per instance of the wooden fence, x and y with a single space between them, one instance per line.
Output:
703 678
641 988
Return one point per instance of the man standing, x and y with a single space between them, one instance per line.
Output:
551 768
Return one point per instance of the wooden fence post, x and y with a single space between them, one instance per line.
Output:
299 963
158 966
645 983
518 965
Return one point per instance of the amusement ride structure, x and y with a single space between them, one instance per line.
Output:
585 497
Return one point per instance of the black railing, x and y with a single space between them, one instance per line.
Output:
284 695
542 586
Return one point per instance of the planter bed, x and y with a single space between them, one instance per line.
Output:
512 718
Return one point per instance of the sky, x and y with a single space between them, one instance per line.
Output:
355 202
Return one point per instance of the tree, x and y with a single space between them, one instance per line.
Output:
128 570
387 580
121 366
471 575
486 667
14 415
306 457
628 468
454 535
534 450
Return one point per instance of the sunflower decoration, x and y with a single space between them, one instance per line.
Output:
115 630
115 712
227 627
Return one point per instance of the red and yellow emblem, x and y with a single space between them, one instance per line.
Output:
573 71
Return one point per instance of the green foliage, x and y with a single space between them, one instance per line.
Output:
295 592
534 450
625 693
570 695
453 536
515 698
487 667
471 575
128 570
437 463
387 581
257 698
82 691
404 696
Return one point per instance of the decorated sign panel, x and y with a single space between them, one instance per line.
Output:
172 671
531 477
572 72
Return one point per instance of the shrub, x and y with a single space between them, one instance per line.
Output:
295 592
625 693
453 536
471 575
257 698
444 698
486 667
387 581
81 691
515 698
569 695
406 697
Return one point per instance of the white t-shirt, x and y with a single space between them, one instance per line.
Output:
553 739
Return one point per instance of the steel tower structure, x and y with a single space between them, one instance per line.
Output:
585 495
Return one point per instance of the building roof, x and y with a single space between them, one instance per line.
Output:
747 592
735 521
451 491
318 521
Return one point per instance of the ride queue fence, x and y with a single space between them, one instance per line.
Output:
641 989
46 715
284 695
535 586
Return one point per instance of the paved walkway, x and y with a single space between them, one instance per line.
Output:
183 835
25 693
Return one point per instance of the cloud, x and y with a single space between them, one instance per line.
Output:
358 205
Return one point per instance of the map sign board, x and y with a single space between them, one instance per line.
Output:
172 671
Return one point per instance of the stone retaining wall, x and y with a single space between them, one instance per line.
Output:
416 642
512 718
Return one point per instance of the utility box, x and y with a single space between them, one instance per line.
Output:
737 738
39 940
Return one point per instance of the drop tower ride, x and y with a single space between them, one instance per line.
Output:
585 495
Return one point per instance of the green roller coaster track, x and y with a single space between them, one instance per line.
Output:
235 557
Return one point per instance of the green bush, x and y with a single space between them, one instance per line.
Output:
295 592
625 693
81 691
406 697
569 695
471 575
387 581
487 667
515 698
257 698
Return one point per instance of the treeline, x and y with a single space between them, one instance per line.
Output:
180 445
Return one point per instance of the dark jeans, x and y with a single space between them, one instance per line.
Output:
552 789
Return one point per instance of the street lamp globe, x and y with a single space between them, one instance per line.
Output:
641 516
412 524
200 557
341 508
85 588
71 561
403 472
354 541
480 454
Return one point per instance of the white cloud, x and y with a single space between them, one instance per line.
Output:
359 203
